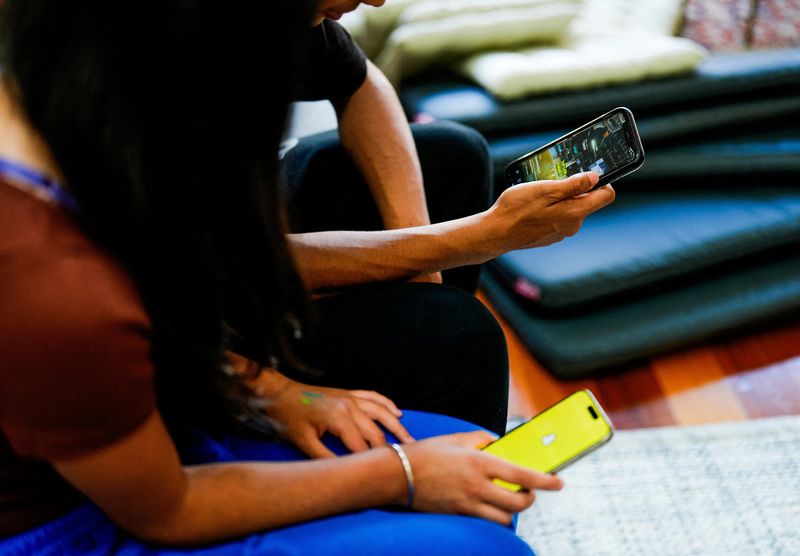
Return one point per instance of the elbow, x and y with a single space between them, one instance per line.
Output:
169 526
163 532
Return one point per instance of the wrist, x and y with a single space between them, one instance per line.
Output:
268 383
490 236
408 472
240 366
378 478
397 477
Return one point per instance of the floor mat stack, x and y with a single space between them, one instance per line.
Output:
702 241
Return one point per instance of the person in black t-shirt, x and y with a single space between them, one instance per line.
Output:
373 130
368 175
360 218
336 67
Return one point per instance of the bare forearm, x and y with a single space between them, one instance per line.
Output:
261 496
375 133
330 260
140 484
527 215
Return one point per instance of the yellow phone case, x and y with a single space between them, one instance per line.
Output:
555 437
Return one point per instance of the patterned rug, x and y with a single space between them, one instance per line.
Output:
729 489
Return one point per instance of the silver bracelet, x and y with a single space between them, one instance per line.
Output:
409 474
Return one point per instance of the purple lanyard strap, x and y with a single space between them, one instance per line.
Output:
46 187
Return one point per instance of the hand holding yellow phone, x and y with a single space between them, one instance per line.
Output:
556 437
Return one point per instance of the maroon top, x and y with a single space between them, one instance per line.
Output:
75 368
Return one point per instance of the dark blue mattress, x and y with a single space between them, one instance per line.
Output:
702 241
650 239
727 157
736 115
611 337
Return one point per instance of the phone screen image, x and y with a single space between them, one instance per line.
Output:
557 436
605 146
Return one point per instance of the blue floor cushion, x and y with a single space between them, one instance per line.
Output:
649 239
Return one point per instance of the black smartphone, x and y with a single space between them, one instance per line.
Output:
609 145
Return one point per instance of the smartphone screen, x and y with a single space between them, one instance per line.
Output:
557 436
608 145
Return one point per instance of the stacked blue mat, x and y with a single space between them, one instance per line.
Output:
703 241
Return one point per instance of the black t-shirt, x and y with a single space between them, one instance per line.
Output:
336 65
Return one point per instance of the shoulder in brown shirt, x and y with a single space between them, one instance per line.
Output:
75 360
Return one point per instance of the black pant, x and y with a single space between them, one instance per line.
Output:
426 346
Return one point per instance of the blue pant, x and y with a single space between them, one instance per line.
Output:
384 532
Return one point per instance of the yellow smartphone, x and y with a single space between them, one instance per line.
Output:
556 437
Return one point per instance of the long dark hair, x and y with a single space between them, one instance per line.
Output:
165 119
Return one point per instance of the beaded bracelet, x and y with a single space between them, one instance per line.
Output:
409 474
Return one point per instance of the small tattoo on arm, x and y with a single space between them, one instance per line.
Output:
309 397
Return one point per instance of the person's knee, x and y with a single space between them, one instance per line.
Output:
459 138
477 369
467 149
463 322
447 327
455 161
486 332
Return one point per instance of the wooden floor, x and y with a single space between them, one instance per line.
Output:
744 377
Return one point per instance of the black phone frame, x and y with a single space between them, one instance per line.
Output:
620 172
